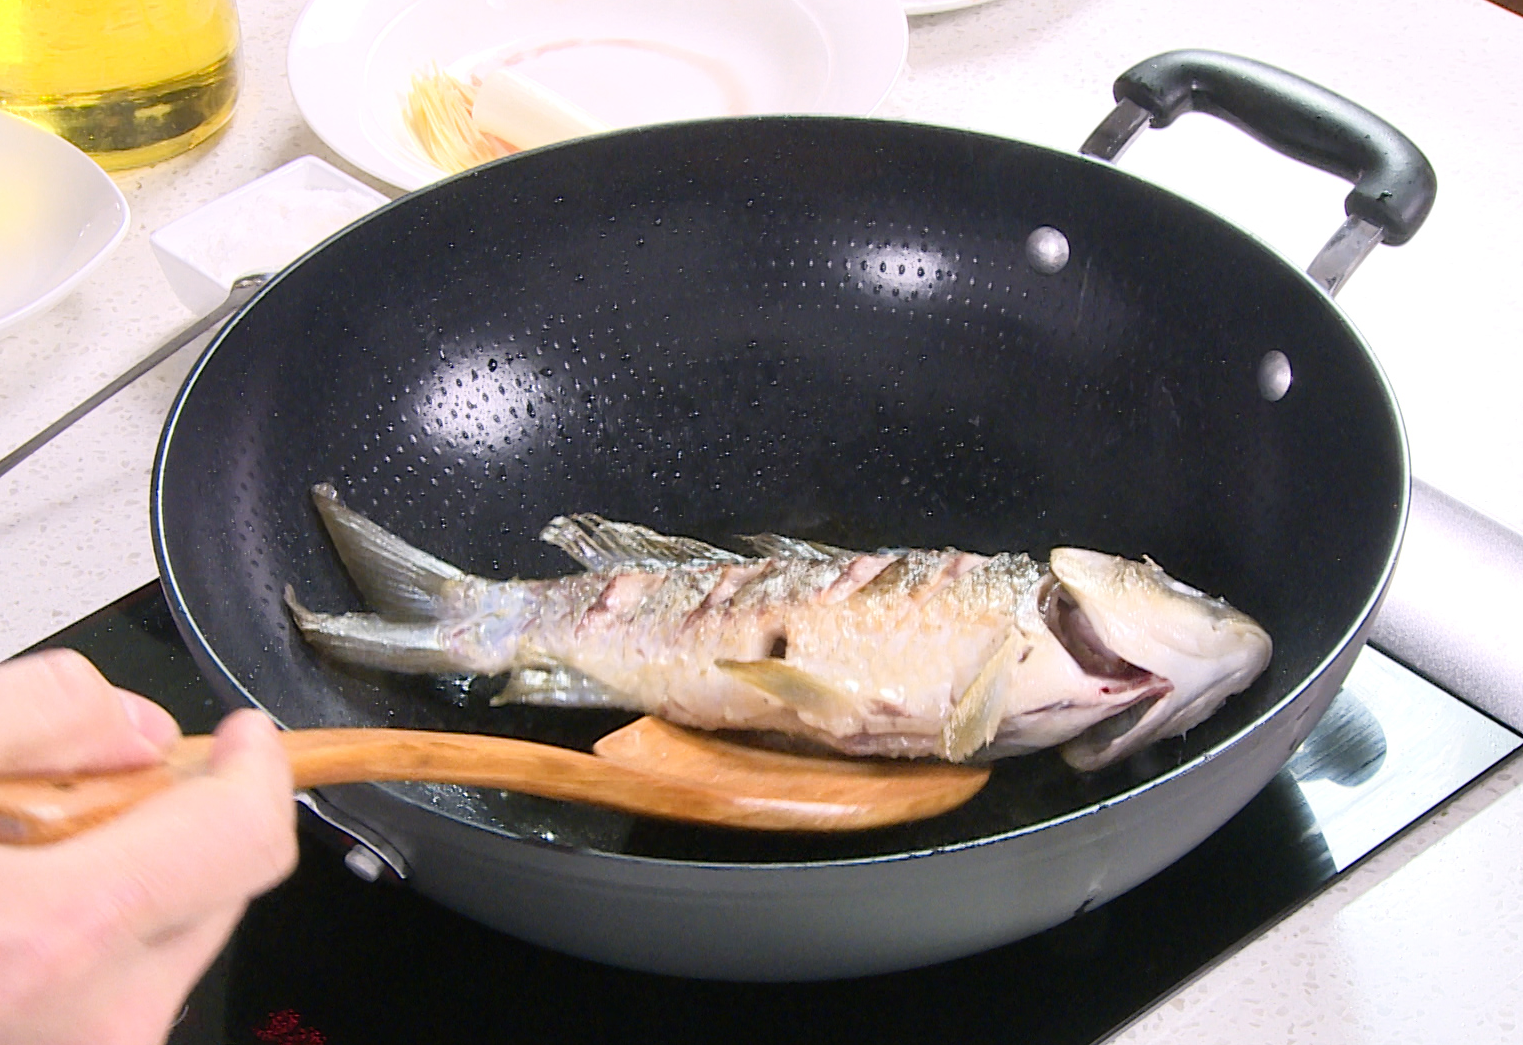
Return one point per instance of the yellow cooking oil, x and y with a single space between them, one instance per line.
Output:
131 82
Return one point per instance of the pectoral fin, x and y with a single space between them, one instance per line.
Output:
975 719
813 699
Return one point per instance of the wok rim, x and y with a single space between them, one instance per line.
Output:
206 656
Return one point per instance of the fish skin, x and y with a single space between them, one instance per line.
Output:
912 653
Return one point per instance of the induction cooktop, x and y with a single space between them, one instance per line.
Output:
339 955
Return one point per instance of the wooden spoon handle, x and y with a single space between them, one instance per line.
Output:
42 809
34 810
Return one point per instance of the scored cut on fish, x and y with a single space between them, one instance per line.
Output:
903 653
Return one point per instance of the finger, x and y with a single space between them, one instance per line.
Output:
212 841
113 990
59 714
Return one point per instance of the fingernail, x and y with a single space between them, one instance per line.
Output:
130 706
150 720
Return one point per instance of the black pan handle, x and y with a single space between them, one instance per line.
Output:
1394 185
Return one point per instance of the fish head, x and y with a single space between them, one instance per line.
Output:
1204 647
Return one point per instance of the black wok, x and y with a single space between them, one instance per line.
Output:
831 328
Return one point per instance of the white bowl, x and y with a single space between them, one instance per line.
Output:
259 228
60 215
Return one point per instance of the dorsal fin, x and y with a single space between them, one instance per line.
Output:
601 545
776 546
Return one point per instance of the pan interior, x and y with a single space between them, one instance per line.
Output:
827 328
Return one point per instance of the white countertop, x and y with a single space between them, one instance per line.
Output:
1421 942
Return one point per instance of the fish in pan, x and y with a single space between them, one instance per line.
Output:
902 653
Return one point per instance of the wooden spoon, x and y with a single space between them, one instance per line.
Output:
649 767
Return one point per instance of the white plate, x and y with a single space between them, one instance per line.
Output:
60 215
627 62
933 7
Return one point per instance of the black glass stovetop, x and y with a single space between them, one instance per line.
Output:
330 959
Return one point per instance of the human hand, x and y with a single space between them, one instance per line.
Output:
103 935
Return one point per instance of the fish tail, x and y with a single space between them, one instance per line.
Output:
401 582
366 639
431 617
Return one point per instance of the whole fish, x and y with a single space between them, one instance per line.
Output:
944 654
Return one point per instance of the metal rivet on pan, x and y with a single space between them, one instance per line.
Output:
364 863
1047 250
1274 376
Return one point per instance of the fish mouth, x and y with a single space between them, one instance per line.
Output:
1136 690
1074 631
1105 732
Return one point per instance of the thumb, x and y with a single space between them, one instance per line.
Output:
213 840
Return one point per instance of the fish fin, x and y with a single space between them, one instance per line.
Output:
400 581
776 546
976 717
813 699
370 641
540 679
600 545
